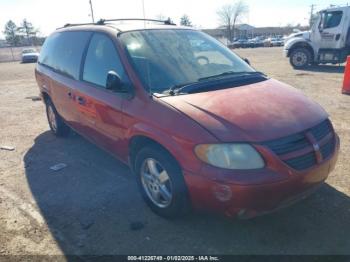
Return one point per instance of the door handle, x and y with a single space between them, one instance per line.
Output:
81 100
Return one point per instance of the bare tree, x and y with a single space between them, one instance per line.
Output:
229 15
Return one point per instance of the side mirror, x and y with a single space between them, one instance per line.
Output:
114 82
320 26
246 60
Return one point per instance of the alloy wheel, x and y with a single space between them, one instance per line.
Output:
156 182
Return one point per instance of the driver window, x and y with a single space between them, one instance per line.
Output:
101 57
331 19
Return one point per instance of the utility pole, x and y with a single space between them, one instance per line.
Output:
92 12
312 14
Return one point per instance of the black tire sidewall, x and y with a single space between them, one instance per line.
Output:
62 129
180 202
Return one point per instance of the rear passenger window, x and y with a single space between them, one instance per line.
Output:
63 52
102 57
69 50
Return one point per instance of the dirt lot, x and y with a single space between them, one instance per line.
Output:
93 206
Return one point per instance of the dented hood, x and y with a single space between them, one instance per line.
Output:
255 113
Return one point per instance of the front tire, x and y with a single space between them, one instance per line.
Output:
56 123
300 58
161 182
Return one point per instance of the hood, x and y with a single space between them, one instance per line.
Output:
302 34
255 113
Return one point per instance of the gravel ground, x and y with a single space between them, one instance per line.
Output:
93 206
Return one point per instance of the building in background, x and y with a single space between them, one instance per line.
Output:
245 31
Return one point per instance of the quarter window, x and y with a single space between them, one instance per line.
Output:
101 58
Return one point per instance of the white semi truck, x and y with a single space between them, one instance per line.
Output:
328 41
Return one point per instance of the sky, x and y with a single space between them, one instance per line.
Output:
47 15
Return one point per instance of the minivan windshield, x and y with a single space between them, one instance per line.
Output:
168 58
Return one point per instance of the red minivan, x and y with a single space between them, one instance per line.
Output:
198 126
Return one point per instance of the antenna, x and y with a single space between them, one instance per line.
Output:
92 12
143 12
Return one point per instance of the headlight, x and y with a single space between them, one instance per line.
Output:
230 156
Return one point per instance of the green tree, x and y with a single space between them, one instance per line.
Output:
10 33
185 21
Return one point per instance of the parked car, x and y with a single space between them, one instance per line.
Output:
267 42
279 41
30 55
199 129
255 42
240 43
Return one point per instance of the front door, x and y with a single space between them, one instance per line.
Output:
331 31
100 110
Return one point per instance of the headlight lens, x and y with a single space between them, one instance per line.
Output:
230 156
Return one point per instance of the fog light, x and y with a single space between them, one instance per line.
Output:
222 192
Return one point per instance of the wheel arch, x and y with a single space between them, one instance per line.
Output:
45 96
302 44
137 142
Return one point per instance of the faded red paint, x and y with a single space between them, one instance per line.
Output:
252 113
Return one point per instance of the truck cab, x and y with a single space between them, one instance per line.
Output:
328 40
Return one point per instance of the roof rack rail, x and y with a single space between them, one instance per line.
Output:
103 21
166 22
68 25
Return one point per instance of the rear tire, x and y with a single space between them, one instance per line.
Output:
56 123
300 58
166 193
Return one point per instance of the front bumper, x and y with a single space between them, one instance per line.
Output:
285 53
249 197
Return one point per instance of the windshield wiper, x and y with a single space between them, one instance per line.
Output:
228 73
175 89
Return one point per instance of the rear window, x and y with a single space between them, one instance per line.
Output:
63 52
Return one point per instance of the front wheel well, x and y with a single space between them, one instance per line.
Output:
302 45
139 142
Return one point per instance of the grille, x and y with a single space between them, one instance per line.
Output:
299 141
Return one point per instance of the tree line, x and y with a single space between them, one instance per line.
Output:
229 16
26 34
22 35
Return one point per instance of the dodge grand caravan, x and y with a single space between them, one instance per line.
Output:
197 125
